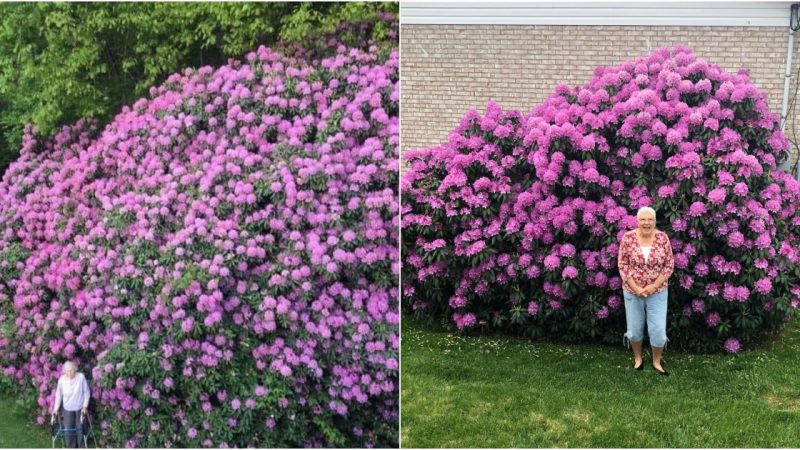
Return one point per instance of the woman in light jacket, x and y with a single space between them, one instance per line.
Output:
72 398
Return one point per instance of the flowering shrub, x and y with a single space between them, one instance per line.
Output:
221 260
514 222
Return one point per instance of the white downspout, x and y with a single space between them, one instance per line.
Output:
786 84
786 79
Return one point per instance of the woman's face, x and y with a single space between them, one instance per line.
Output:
646 222
69 371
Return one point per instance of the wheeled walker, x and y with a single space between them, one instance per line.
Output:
82 431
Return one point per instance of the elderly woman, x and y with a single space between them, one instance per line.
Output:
72 397
645 265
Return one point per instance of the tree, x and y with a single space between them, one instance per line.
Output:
63 61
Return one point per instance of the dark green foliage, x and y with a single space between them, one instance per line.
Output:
63 61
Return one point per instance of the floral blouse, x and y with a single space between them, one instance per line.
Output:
631 260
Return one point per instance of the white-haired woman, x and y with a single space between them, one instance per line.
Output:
72 398
645 264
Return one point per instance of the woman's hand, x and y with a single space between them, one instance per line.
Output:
649 290
634 287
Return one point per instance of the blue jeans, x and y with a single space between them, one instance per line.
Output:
654 310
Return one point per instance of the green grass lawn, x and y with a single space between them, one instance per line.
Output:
17 428
505 392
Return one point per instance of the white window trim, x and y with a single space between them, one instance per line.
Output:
706 13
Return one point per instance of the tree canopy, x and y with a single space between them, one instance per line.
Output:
63 61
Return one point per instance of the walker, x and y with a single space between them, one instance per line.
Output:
82 432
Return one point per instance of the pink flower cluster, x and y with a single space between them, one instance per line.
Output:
221 260
537 204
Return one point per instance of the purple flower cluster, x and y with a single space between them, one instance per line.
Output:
554 190
732 345
221 260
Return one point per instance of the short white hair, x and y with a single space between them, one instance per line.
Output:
645 209
69 364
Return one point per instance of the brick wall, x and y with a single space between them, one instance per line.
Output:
448 69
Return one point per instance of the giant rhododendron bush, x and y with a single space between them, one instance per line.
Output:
514 222
221 260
